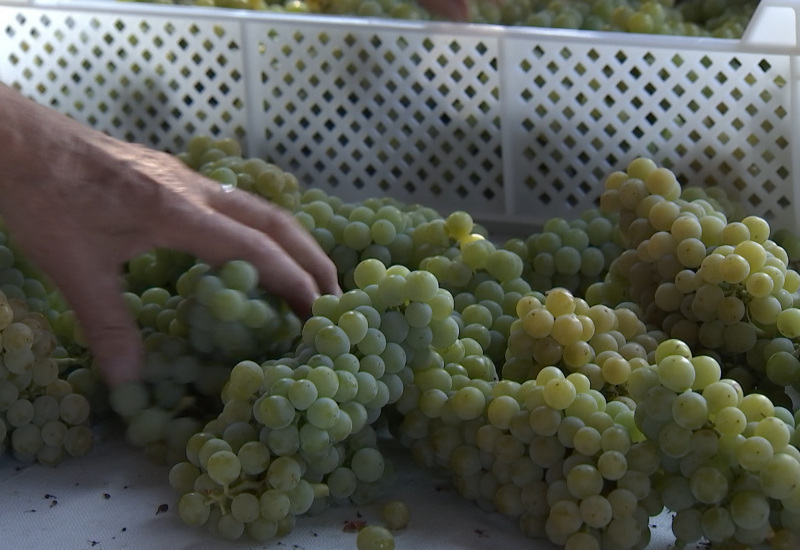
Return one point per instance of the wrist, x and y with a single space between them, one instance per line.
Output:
38 145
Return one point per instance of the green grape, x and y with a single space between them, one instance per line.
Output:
584 480
676 373
368 464
354 324
559 393
26 440
78 441
247 377
223 467
254 457
690 410
194 508
783 368
245 507
748 509
276 411
323 413
274 504
342 482
753 453
53 433
302 393
775 472
373 343
788 322
374 537
283 473
332 341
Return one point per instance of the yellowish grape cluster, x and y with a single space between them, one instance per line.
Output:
718 285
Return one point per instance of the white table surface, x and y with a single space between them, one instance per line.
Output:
109 499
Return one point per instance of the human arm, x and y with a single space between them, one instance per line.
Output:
450 10
81 204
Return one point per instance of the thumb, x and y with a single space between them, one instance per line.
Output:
113 337
451 10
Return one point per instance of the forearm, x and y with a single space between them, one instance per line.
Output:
50 160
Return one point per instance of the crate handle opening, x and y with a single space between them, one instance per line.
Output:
774 23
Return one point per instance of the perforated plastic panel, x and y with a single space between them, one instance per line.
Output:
514 125
383 112
715 118
146 78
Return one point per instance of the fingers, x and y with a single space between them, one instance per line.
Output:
215 238
285 231
451 10
93 291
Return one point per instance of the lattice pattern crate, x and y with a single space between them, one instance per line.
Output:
513 125
716 118
383 111
151 78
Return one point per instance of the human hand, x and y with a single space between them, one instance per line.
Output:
81 204
451 10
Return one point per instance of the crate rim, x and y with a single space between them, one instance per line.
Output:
499 32
505 41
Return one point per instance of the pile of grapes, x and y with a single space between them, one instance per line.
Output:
47 387
717 18
581 380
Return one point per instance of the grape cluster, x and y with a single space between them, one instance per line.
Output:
48 387
715 284
572 254
298 429
559 329
22 282
561 442
197 320
727 459
42 416
550 451
194 327
647 367
224 313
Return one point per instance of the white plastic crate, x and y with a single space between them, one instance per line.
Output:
514 125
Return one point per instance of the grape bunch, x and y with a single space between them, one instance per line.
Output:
572 254
298 429
550 451
194 327
562 442
647 367
197 320
49 391
224 314
559 329
715 284
43 417
728 460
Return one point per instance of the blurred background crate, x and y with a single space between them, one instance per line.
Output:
514 125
